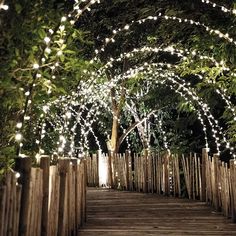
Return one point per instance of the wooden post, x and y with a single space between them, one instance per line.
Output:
2 208
166 174
110 179
85 192
216 183
203 174
145 171
63 165
75 192
23 166
127 169
45 165
233 189
97 166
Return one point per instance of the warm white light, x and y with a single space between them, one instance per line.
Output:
36 66
51 31
4 7
60 149
41 151
48 50
18 137
68 114
62 27
47 40
27 118
45 108
126 27
63 19
17 175
59 53
19 125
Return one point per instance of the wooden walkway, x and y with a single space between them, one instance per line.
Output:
114 213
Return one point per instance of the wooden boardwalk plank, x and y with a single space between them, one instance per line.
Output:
114 213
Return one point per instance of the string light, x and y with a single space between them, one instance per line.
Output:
18 137
4 6
222 8
113 83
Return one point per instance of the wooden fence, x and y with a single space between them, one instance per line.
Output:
199 177
47 200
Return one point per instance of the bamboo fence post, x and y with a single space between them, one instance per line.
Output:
127 169
110 175
75 216
131 177
216 181
13 208
199 177
158 172
23 166
233 189
63 165
97 167
18 206
152 173
135 172
186 174
203 174
178 175
166 174
84 181
145 188
79 195
227 189
8 201
2 208
45 165
191 176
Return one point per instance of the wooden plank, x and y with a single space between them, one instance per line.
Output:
13 217
3 193
203 174
63 165
23 166
8 178
216 182
233 190
112 213
110 174
18 206
45 165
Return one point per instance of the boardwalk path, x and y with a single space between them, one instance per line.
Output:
113 213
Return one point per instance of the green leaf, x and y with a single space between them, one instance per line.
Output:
18 8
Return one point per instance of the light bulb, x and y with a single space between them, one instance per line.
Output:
59 53
19 125
48 50
18 137
17 175
5 7
63 19
46 40
36 66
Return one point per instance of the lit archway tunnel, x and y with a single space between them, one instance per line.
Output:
125 90
138 76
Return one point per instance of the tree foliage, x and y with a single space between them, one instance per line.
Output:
25 25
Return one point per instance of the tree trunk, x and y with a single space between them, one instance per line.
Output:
114 134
